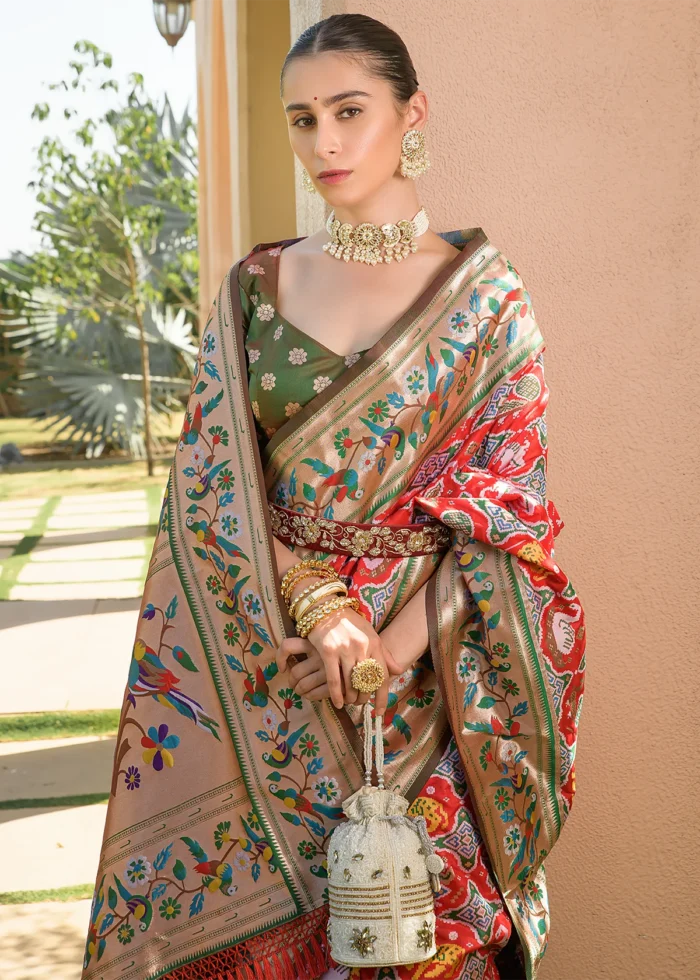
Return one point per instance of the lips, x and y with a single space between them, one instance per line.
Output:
332 173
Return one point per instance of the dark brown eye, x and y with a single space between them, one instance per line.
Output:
353 109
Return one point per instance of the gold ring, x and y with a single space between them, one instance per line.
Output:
367 676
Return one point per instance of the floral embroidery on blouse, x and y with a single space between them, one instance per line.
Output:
265 311
286 369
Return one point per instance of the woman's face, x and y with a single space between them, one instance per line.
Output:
359 132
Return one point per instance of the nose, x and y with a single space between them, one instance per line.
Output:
327 144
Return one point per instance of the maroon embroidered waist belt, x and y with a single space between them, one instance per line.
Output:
346 538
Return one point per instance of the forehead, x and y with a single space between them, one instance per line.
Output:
324 74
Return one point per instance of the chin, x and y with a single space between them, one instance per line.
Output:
343 195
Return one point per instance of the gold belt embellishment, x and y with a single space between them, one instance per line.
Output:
345 538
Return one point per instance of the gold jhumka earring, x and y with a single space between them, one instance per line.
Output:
306 182
414 158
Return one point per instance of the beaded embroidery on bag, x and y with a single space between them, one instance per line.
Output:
382 874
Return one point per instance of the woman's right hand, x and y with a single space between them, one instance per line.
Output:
309 676
342 639
345 638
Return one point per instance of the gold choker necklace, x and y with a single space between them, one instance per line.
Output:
365 242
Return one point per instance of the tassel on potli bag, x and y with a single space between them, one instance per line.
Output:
382 874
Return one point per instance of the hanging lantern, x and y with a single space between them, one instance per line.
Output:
172 18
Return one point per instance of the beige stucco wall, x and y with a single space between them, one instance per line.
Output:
569 132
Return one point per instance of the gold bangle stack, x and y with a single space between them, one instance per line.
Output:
299 608
303 609
301 570
313 618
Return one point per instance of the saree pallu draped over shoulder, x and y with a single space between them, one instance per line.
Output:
424 461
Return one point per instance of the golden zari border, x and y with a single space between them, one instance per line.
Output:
345 538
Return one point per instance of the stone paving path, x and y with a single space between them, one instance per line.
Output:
77 565
81 546
76 660
43 940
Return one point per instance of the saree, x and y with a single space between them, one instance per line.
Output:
424 461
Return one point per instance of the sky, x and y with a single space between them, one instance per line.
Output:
36 46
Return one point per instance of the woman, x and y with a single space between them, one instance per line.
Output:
388 419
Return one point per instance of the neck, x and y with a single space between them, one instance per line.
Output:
388 204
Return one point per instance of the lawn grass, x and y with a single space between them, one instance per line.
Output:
58 724
23 432
35 803
69 893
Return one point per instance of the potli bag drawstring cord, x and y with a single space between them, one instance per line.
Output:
379 745
396 819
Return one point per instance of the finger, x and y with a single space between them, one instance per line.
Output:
305 667
350 692
291 645
382 695
392 666
310 682
333 678
318 693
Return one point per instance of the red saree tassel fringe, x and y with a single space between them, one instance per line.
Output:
296 950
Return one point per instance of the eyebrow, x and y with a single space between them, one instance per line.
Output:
331 100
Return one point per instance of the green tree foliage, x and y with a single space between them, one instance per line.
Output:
106 308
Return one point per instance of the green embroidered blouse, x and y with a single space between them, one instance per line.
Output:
286 367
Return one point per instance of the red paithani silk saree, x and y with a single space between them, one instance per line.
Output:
424 461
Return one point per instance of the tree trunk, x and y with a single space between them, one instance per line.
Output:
145 367
146 372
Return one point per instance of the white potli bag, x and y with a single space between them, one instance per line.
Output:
382 874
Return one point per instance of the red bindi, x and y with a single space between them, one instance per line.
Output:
315 97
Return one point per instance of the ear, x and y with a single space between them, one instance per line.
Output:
417 111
